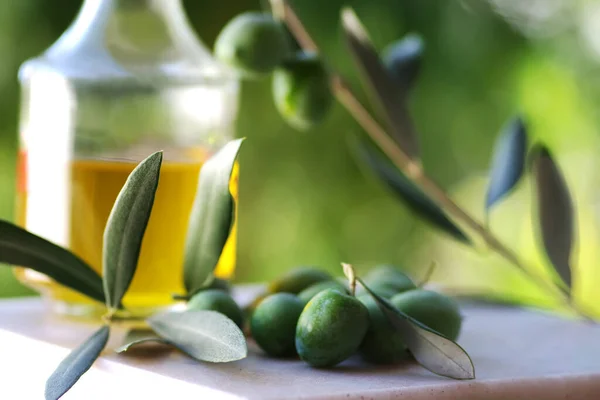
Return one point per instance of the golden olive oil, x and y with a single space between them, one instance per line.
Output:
95 186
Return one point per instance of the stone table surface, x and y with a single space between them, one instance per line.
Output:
518 354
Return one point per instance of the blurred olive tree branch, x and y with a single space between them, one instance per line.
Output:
412 167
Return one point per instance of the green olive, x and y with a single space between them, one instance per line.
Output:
297 279
440 313
307 294
330 328
217 300
387 280
273 324
301 91
382 344
253 43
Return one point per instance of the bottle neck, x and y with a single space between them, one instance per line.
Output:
130 31
138 25
169 12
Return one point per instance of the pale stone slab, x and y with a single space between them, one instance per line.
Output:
518 354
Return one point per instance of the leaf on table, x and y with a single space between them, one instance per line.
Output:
211 218
410 194
403 60
126 346
76 364
555 211
204 335
24 249
126 227
433 351
138 334
384 90
508 162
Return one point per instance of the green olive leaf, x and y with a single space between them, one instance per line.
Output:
76 364
204 335
126 227
408 192
508 162
433 351
125 347
21 248
211 218
403 60
384 90
137 334
555 211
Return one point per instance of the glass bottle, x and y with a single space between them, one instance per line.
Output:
129 77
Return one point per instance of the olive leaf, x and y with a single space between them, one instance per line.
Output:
136 334
211 218
152 339
508 161
76 364
383 89
410 194
126 226
21 248
201 334
555 211
433 351
403 60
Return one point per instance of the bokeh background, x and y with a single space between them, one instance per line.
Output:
305 200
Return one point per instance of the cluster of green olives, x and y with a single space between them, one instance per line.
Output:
311 314
256 45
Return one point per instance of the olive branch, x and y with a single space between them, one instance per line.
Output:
400 150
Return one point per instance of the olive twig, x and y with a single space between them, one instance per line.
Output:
351 275
109 316
412 169
277 9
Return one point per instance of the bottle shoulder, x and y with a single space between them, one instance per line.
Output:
98 67
128 49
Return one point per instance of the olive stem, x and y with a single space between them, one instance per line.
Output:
413 170
278 9
109 316
283 11
351 275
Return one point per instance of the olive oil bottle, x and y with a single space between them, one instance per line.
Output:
129 77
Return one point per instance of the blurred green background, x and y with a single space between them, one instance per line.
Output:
304 200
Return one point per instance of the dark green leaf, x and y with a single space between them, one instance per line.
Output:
211 217
126 227
433 351
76 364
403 60
508 161
555 212
411 195
204 335
384 90
21 248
